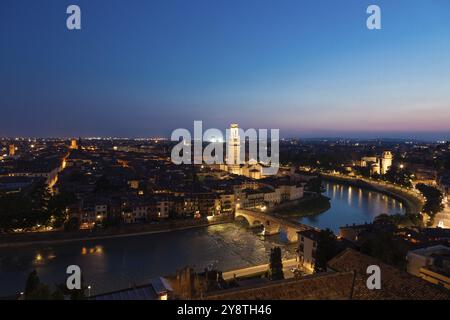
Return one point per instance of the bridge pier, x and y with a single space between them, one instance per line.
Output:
292 235
271 228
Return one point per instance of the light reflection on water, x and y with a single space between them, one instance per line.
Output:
119 263
352 205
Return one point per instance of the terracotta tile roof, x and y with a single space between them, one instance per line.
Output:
347 282
326 286
395 284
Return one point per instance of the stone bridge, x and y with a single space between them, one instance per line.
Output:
272 223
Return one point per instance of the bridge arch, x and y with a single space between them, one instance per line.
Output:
257 223
242 220
272 224
292 235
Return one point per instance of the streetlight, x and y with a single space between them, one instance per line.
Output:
89 291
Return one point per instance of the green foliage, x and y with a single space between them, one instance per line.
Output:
58 294
433 196
314 185
35 290
27 209
384 246
32 283
57 207
401 220
42 292
74 294
307 207
398 176
72 224
276 264
363 171
327 159
326 249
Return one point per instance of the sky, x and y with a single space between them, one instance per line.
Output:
143 68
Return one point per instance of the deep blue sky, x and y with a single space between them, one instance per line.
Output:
146 67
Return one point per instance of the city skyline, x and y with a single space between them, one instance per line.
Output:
311 69
213 152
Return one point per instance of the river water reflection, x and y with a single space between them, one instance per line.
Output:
114 264
352 205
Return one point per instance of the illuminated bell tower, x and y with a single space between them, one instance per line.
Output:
234 149
386 161
12 150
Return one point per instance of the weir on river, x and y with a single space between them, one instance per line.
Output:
113 264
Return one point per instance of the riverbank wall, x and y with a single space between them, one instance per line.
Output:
412 201
292 204
283 210
60 237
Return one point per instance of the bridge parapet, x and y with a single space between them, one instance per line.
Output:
272 224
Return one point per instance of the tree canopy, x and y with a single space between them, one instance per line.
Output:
276 264
326 249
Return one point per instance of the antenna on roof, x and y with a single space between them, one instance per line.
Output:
353 285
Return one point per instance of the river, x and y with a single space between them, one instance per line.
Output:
352 205
112 264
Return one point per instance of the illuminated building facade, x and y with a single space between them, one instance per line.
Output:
74 144
378 165
234 149
12 150
386 161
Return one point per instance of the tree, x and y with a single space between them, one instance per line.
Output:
314 185
276 264
57 207
32 282
383 245
34 289
74 294
399 176
383 218
72 224
326 249
26 209
32 207
364 171
433 196
402 220
58 294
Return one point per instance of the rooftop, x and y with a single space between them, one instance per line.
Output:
395 284
326 286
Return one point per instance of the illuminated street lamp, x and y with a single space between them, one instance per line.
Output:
89 291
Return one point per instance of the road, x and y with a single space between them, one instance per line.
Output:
245 272
442 219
